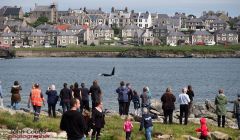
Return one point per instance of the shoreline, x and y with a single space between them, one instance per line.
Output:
125 54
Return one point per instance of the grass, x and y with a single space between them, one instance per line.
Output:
165 49
113 129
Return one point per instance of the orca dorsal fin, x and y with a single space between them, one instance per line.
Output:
113 71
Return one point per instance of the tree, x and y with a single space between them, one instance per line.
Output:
116 29
39 21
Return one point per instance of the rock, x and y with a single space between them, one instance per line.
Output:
164 137
52 134
210 106
62 134
238 138
188 137
216 135
154 112
156 105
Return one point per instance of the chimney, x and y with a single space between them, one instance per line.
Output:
132 11
113 10
126 9
84 9
100 9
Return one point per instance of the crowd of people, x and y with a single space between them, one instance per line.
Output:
77 122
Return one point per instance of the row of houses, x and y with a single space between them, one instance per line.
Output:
64 35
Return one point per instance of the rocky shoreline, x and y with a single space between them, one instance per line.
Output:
126 54
206 110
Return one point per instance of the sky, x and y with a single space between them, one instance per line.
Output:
161 6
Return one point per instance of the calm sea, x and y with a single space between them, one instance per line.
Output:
205 75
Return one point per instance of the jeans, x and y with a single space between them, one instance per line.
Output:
238 120
52 110
148 133
15 105
219 121
65 106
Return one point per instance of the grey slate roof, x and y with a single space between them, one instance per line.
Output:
102 27
37 33
93 11
218 21
42 8
163 16
12 11
238 23
212 17
161 27
201 33
144 15
131 27
69 17
10 34
62 33
13 23
44 26
176 34
75 27
228 31
94 17
26 29
139 33
134 15
195 20
52 30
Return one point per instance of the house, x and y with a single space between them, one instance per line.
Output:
195 23
51 35
50 12
24 33
103 32
177 38
73 20
201 37
218 25
154 17
137 39
238 26
144 20
87 37
147 37
66 38
163 19
134 18
15 24
12 12
37 38
226 36
161 32
9 39
182 17
63 27
75 28
128 32
44 27
119 18
4 28
93 20
209 20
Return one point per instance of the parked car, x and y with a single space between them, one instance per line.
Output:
200 43
172 44
26 46
210 43
16 46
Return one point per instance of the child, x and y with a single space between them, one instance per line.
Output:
203 129
136 102
128 127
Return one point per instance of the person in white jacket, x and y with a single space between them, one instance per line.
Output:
184 101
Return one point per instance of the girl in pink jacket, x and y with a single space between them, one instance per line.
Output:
127 127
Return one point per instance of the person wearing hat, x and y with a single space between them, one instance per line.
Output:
16 97
221 111
236 110
1 97
37 100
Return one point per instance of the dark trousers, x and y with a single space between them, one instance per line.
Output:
93 105
36 110
184 110
221 119
52 110
238 120
122 108
203 137
168 113
96 133
85 105
190 109
65 106
127 107
128 135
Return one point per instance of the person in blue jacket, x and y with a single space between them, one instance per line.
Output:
122 92
52 100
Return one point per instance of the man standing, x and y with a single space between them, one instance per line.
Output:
168 100
85 97
37 100
184 101
65 96
221 102
73 123
96 93
122 92
190 93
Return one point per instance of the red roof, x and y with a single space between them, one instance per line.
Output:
63 27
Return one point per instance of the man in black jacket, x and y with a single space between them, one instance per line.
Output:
65 96
73 123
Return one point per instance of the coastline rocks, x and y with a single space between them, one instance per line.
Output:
189 137
216 135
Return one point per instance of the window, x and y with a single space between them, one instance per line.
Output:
230 34
5 37
140 25
63 41
224 39
148 39
5 42
224 34
140 20
146 25
230 38
34 41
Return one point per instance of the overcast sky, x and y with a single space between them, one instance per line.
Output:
161 6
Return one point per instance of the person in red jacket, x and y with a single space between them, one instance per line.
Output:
203 129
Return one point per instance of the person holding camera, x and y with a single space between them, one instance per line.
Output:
52 100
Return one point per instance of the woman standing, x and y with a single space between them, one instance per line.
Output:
97 120
52 100
221 102
16 97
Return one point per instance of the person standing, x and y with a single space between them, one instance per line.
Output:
65 96
146 122
127 127
85 97
136 102
130 94
146 98
190 93
16 97
221 102
37 100
96 93
1 96
168 105
184 101
236 110
122 92
77 94
98 120
52 100
73 123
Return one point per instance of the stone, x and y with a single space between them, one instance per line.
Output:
52 134
164 137
210 106
189 137
216 135
156 105
62 134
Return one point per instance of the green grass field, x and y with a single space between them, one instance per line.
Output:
113 129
